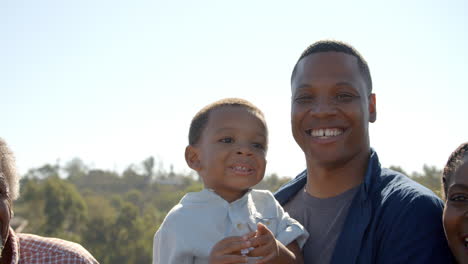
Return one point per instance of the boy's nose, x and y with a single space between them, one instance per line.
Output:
244 150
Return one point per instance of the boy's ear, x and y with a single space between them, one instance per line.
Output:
192 158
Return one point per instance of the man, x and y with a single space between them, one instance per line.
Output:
354 210
17 248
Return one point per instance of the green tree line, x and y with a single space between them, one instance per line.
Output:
115 215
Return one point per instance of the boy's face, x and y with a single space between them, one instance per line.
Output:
331 108
230 154
455 216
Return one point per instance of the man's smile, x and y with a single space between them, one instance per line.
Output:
324 132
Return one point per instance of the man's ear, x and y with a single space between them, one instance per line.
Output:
372 108
192 158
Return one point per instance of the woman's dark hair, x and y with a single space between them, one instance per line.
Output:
454 162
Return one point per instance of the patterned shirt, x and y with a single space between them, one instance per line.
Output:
32 249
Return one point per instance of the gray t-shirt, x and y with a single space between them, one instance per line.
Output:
323 218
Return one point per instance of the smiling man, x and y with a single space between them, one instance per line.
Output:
354 210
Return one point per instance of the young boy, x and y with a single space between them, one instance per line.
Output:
228 222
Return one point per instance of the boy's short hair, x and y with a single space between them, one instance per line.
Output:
200 120
337 46
454 162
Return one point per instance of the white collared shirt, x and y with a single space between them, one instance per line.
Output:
202 219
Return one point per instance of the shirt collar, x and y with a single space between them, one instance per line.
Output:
210 196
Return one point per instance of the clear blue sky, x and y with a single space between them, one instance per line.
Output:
113 82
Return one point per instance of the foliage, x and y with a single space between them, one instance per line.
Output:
116 215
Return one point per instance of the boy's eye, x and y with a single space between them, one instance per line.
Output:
258 145
226 140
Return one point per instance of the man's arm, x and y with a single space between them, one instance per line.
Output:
416 234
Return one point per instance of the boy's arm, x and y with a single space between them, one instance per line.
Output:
289 254
272 250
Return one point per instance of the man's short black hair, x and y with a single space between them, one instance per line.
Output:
200 120
454 162
337 46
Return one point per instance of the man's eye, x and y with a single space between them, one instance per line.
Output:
303 99
344 98
226 140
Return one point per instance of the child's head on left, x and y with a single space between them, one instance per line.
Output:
227 146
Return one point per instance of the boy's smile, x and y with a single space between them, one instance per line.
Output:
230 155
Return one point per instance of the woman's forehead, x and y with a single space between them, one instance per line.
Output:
461 173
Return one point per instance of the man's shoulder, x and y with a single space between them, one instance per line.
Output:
33 247
397 193
395 185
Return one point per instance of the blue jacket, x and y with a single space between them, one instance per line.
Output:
392 219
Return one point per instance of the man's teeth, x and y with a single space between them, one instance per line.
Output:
327 132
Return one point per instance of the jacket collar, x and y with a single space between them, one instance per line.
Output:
287 191
373 168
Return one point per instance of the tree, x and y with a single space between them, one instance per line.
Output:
64 209
430 177
148 165
399 169
76 169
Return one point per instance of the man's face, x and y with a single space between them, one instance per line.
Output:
230 155
455 216
331 108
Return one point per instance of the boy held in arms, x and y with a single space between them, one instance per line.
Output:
228 222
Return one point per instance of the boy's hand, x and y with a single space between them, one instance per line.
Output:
265 245
228 249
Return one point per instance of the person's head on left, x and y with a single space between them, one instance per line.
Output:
9 182
332 103
227 146
455 191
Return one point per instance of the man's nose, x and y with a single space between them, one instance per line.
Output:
323 106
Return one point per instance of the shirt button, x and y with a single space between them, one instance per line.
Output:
239 226
267 222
